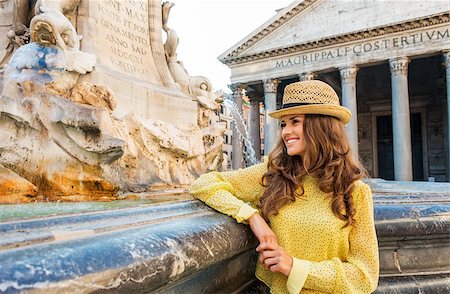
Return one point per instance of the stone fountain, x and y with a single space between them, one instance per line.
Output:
96 106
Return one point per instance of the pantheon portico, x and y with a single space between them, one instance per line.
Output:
389 61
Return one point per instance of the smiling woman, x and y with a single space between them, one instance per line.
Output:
306 204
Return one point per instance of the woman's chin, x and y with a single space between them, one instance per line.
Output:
293 152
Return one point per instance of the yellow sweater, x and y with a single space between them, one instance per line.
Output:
326 258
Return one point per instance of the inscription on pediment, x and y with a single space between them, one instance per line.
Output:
367 47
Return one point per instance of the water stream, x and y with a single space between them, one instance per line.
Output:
241 130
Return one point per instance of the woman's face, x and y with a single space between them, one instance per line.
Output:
292 134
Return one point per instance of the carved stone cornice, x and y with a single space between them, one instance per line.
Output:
427 21
306 77
271 85
348 74
399 66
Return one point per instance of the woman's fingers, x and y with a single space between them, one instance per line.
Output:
275 258
267 246
267 254
268 262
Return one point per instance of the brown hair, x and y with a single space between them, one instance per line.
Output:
327 158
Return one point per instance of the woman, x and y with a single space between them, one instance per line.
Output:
306 204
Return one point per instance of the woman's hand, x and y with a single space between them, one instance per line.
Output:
261 229
274 258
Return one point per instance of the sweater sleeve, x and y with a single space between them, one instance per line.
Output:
359 273
233 192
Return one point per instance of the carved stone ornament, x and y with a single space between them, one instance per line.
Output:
271 85
348 74
237 88
399 66
234 58
306 77
59 138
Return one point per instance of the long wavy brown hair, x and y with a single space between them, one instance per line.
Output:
327 158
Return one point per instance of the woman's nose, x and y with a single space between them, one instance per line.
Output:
285 130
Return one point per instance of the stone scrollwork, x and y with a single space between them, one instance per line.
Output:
271 85
348 74
399 66
237 89
307 76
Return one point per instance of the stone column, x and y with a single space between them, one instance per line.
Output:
270 124
348 82
237 145
401 128
306 77
447 74
255 126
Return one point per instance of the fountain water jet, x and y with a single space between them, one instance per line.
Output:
241 129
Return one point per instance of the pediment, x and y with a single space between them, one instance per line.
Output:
307 21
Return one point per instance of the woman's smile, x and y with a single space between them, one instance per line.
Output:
291 140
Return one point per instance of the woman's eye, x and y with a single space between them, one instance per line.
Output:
282 125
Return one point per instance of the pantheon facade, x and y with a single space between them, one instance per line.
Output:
389 62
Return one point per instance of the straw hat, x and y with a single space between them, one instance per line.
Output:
311 97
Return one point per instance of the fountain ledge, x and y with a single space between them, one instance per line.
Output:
184 246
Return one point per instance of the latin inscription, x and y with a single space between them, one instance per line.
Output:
124 36
365 48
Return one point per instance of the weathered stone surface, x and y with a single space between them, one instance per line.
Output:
166 247
79 130
413 227
15 189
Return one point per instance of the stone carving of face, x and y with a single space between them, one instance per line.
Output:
52 27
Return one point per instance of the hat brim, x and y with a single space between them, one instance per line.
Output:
342 113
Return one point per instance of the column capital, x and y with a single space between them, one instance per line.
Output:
306 76
446 54
271 85
348 74
236 87
399 66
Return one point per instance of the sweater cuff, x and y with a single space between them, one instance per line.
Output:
297 276
245 212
